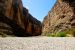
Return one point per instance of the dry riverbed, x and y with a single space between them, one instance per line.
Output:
37 43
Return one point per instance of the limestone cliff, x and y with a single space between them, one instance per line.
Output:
15 20
61 17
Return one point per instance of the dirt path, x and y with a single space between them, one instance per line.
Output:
37 43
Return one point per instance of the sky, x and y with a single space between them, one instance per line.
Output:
38 8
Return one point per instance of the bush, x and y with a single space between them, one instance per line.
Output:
51 35
65 33
70 32
60 34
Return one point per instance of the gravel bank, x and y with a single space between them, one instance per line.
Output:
37 43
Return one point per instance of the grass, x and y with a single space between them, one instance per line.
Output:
60 34
66 33
6 35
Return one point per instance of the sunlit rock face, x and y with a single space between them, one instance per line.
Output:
61 17
15 20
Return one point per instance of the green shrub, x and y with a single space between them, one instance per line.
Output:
70 32
51 35
66 33
60 34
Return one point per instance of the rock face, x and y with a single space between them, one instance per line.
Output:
32 25
61 17
15 20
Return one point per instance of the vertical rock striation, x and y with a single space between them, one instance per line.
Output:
15 20
61 17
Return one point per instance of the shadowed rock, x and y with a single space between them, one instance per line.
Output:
15 20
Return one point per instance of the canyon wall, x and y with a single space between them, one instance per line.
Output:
61 17
15 20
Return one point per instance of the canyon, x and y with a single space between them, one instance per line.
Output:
15 20
60 18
